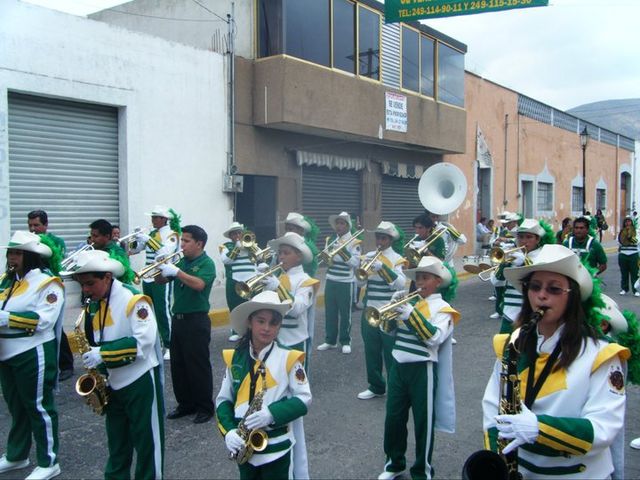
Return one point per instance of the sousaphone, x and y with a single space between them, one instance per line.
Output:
442 188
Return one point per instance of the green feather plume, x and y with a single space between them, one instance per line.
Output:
398 244
449 293
312 267
56 253
312 235
549 236
174 222
631 340
128 275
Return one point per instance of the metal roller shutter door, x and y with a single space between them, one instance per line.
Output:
400 202
63 158
327 192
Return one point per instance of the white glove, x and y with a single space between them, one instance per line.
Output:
262 267
377 265
233 441
404 311
238 244
636 286
142 238
398 294
336 258
168 270
4 318
259 419
370 255
517 259
522 428
271 282
92 358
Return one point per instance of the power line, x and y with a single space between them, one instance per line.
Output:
157 17
210 11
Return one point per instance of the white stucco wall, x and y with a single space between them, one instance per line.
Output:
171 100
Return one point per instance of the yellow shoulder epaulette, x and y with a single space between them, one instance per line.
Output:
311 282
227 356
50 280
608 352
135 299
293 357
499 342
454 313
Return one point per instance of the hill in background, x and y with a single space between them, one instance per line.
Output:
619 116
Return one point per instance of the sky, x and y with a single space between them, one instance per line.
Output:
567 54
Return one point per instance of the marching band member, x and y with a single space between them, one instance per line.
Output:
190 326
531 235
421 377
238 267
628 257
565 230
123 334
339 284
572 382
386 278
286 398
101 237
306 228
296 286
164 239
30 322
424 227
38 222
586 246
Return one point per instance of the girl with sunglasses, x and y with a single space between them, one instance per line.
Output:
571 379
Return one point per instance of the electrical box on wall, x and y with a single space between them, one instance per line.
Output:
232 183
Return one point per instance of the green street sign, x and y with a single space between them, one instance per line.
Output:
407 10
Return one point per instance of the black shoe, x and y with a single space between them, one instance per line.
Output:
65 375
202 417
179 412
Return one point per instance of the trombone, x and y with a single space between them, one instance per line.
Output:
498 256
334 249
386 313
255 253
362 273
253 286
70 261
148 271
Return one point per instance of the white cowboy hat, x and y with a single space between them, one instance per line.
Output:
529 225
387 228
341 216
558 259
506 217
431 264
159 211
235 226
298 220
267 300
614 315
296 241
29 242
91 261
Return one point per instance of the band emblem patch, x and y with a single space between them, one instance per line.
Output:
616 380
142 313
52 298
301 377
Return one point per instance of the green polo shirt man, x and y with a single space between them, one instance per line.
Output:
193 278
585 246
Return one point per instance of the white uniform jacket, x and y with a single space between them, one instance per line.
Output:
35 305
390 278
344 264
300 288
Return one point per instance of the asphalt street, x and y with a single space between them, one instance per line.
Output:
344 434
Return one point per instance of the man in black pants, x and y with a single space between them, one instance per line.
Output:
190 326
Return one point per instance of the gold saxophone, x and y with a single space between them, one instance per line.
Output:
92 386
628 236
254 440
503 466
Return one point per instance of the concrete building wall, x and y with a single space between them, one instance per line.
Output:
170 98
534 151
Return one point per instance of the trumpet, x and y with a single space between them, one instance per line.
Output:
334 249
11 269
136 231
498 256
70 261
362 273
415 254
148 271
263 255
383 315
253 286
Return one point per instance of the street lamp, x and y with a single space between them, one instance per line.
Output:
584 140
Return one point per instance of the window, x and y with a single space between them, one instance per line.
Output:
601 199
545 197
344 35
410 59
307 30
450 75
426 66
269 28
576 199
368 43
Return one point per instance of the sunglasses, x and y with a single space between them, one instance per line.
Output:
550 289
